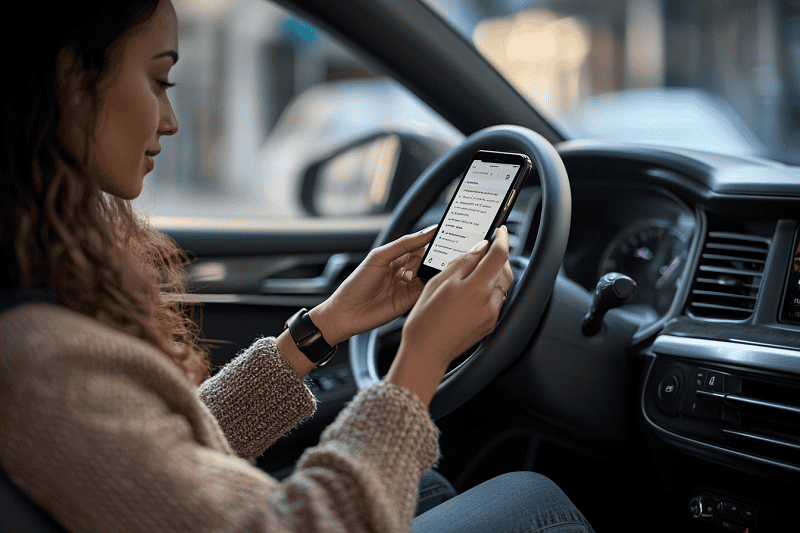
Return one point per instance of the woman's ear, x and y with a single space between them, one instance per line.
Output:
75 103
69 75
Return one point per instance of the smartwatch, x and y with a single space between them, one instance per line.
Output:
309 339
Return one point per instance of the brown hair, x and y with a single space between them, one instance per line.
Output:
59 231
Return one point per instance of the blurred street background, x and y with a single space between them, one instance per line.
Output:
261 93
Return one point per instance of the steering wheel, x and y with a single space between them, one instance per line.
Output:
527 299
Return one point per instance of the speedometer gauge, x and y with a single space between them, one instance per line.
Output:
653 253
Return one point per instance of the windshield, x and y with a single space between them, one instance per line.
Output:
716 75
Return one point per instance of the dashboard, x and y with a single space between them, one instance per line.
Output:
698 374
706 356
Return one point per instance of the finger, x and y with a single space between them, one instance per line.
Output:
458 266
500 282
495 258
497 299
463 265
405 244
413 261
507 274
504 277
498 289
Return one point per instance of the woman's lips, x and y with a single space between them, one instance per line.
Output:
149 163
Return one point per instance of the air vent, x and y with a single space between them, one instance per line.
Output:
729 275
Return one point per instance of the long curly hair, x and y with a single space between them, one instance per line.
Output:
59 231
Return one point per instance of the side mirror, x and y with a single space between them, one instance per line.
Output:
367 176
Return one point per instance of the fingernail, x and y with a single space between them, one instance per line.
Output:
408 275
479 247
426 230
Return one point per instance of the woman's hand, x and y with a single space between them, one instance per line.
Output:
457 308
383 287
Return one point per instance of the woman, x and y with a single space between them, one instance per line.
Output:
108 419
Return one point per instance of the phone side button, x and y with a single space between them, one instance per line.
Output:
511 198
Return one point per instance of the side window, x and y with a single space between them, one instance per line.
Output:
262 94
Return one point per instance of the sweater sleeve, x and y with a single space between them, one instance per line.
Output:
106 434
257 398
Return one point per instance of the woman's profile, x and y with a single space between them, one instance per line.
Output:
109 417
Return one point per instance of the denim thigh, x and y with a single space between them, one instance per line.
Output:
519 502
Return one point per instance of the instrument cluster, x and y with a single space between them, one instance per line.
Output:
642 232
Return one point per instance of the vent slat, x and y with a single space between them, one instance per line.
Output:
739 271
735 248
729 276
721 307
716 281
717 257
738 237
724 294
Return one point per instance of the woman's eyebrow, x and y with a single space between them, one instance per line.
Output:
170 53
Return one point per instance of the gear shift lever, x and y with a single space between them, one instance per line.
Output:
613 290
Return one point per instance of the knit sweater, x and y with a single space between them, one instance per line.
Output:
105 433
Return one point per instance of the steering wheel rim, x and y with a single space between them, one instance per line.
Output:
526 302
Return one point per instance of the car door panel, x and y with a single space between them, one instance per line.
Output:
249 282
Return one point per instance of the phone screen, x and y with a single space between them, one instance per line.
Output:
479 206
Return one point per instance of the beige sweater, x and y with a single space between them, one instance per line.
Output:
106 434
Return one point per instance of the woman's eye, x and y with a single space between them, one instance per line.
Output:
166 84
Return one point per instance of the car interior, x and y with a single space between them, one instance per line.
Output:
678 409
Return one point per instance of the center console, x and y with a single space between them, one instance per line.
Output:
723 393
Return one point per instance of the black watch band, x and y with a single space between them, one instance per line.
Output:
309 339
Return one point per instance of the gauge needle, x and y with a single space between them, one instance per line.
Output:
668 272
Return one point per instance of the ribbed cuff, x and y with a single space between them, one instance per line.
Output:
257 398
387 431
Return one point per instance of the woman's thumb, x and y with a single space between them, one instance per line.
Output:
466 263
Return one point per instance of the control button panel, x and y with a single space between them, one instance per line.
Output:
723 513
676 396
735 410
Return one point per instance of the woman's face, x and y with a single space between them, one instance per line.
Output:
134 111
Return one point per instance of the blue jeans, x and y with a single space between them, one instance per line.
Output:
519 502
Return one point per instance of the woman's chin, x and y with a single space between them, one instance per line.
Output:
126 191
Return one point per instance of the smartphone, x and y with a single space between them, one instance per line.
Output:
480 205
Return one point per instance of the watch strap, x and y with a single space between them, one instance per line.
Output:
309 339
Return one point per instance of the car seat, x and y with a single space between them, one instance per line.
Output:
20 513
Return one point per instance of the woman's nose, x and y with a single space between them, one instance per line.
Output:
169 122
